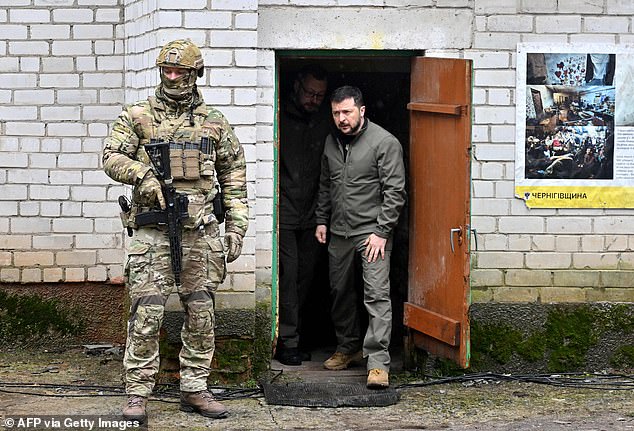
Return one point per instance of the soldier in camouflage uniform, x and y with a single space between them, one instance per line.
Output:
177 114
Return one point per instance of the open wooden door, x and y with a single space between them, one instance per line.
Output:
440 140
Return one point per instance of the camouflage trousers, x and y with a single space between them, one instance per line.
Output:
150 281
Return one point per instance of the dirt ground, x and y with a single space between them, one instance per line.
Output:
472 405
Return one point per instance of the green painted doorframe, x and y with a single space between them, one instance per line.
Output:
302 53
274 259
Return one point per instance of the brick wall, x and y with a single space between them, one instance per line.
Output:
547 255
66 68
61 83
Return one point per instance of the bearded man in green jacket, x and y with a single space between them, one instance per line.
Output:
361 194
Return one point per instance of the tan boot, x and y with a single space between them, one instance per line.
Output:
204 403
341 361
378 379
134 410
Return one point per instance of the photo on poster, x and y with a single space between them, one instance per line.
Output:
570 152
574 143
568 131
624 78
572 69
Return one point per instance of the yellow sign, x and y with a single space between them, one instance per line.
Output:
576 197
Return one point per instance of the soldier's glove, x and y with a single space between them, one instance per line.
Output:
150 191
233 245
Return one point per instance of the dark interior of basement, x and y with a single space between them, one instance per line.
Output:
385 84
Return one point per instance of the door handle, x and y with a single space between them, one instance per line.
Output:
457 230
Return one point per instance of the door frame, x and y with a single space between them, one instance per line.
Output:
304 53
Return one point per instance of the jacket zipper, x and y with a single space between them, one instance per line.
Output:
346 162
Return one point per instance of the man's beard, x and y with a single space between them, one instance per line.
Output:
354 130
312 108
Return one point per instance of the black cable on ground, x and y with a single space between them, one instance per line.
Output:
279 373
569 380
163 391
166 392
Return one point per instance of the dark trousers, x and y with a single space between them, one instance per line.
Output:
298 253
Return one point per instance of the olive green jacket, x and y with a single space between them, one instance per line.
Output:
364 193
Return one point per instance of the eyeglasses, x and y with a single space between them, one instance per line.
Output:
311 94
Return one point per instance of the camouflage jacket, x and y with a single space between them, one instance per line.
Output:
125 159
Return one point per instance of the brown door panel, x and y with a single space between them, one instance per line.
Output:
440 137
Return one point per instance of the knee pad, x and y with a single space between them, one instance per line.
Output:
143 332
200 316
147 320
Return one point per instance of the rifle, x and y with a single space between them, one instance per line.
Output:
176 204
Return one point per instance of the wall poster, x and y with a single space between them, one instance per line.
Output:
575 126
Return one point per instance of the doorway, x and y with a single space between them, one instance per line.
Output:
384 79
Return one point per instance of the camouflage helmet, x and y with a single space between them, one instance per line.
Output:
181 53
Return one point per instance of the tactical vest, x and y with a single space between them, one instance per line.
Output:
192 150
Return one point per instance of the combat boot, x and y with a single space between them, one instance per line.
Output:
341 361
134 410
288 356
378 379
204 403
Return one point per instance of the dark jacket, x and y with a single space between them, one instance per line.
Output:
365 193
301 144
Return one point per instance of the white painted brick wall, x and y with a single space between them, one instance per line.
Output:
503 134
488 152
565 239
236 4
621 7
499 96
65 76
233 77
606 25
246 57
494 41
494 78
558 24
72 15
596 38
539 6
234 38
246 21
108 15
518 23
208 19
47 52
487 7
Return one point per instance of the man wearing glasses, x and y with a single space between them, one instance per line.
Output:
304 126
